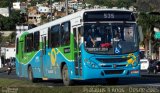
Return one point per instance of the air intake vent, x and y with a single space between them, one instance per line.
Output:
112 60
113 71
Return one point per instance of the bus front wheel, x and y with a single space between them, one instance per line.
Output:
65 76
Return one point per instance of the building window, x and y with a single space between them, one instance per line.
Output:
36 40
65 33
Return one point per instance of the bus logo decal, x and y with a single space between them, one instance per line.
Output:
131 60
53 55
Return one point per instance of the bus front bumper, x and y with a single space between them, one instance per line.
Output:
90 73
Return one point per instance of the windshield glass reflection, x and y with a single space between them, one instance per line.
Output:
113 38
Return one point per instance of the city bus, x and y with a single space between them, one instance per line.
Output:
86 45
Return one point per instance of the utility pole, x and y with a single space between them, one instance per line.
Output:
51 10
9 7
66 7
27 12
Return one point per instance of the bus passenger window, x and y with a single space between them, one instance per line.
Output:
65 33
29 43
55 37
36 41
17 44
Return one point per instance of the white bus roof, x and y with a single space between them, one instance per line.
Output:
67 18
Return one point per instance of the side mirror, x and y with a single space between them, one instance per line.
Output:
140 33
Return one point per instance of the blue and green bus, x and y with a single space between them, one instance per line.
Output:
89 44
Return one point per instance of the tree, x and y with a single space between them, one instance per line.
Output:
12 37
112 3
10 22
148 21
4 3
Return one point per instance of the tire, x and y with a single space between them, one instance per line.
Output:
112 81
30 75
65 76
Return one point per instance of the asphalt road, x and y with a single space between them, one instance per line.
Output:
144 80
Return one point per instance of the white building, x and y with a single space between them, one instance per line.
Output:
43 9
21 28
10 52
16 5
4 12
3 51
6 33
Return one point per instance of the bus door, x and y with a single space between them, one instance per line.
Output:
77 53
21 49
43 56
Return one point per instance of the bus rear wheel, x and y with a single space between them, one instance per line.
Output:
30 75
65 76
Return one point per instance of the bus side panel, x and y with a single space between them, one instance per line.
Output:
53 62
17 66
35 63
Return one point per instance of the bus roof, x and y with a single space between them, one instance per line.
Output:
67 18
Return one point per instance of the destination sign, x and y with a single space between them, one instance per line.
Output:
108 16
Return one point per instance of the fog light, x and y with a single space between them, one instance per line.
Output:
134 72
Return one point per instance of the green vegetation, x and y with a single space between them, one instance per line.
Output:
8 23
24 86
4 3
16 83
112 3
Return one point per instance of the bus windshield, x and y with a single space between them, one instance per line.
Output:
110 38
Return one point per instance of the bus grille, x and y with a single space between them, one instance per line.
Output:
113 71
112 60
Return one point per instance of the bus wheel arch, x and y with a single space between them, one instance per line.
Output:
62 65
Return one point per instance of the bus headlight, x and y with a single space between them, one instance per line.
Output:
90 63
